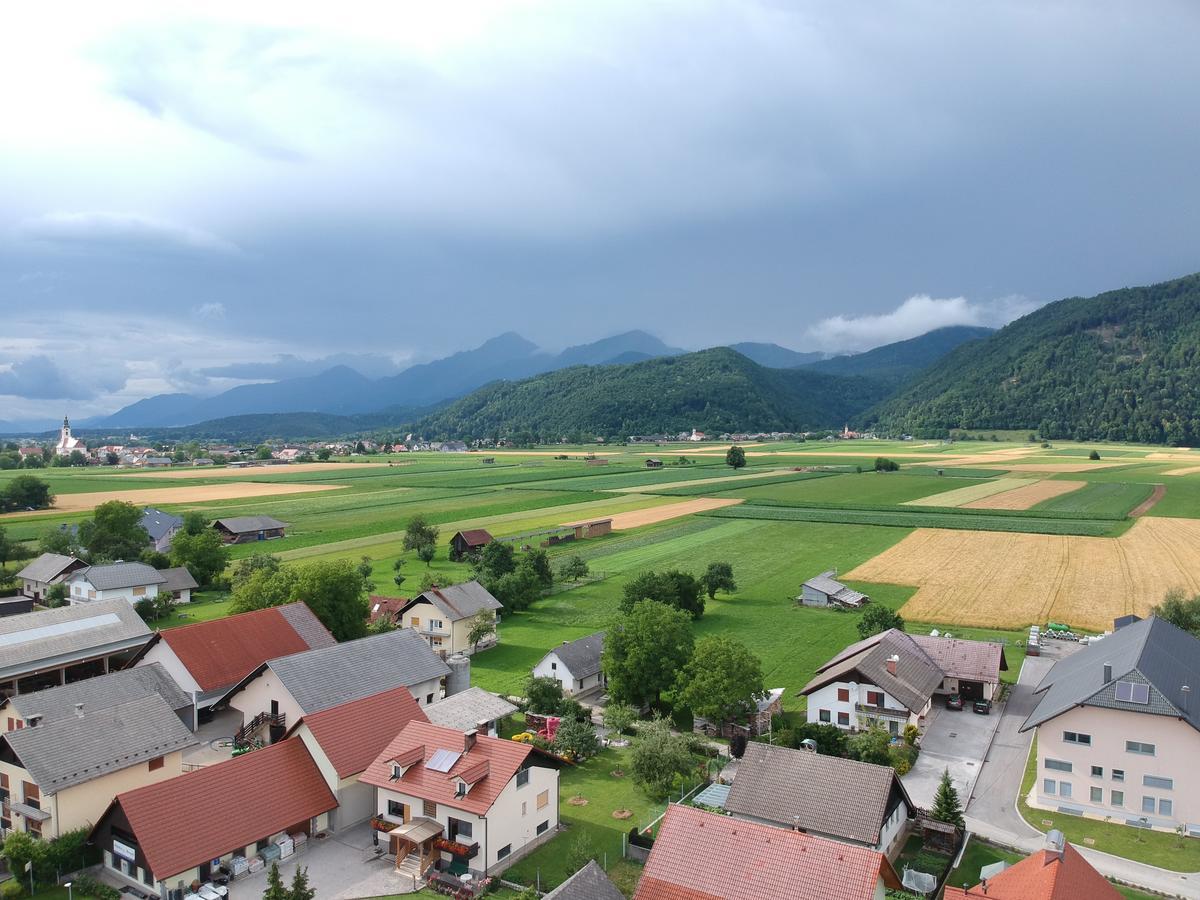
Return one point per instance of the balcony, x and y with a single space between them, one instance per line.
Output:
244 734
883 711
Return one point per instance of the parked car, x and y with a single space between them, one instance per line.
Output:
954 701
983 707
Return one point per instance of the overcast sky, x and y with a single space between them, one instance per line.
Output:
194 194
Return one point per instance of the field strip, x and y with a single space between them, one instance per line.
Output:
199 493
770 473
1027 496
1186 470
1170 456
964 495
1009 580
654 515
1053 468
251 471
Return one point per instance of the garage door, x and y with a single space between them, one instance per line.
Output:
356 802
970 690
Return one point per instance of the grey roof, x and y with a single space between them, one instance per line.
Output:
243 524
46 567
330 676
159 524
826 584
114 576
76 749
842 798
101 692
307 625
916 678
178 579
1152 651
50 637
466 709
581 656
589 883
460 601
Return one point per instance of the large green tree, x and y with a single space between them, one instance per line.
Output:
334 590
721 679
876 618
26 492
674 588
645 651
946 805
59 539
718 577
204 554
421 535
1180 610
735 457
659 758
114 532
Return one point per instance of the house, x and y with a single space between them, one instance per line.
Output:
589 883
282 690
344 740
473 801
58 646
128 581
66 771
452 447
807 791
824 590
206 659
442 616
466 543
247 529
654 463
162 527
891 677
589 529
179 584
1058 872
156 462
386 608
575 664
473 709
165 836
47 570
67 444
202 461
699 855
1117 731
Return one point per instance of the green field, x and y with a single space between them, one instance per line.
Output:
1108 499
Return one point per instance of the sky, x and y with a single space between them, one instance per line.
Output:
193 195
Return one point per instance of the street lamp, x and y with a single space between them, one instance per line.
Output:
68 887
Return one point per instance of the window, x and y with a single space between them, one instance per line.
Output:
844 718
1148 805
1097 771
1058 765
522 778
1118 774
429 698
395 808
1118 798
147 877
1048 786
429 809
435 624
139 592
843 695
1139 747
504 851
261 844
824 715
524 807
1074 737
463 829
875 698
543 799
1165 807
1064 789
156 763
542 826
1097 795
416 622
1132 692
1155 781
553 667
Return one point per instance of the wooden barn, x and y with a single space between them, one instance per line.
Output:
247 529
464 543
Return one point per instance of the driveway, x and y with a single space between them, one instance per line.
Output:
954 740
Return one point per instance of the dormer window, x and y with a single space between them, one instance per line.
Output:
397 771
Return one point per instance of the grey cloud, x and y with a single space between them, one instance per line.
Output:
124 231
40 378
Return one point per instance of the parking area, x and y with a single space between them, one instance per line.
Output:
954 740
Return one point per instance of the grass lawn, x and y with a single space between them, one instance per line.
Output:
205 605
1155 848
914 856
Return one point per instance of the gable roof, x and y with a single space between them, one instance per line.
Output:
221 652
1152 651
797 787
114 576
582 655
330 676
385 607
159 524
271 789
702 856
458 601
1044 876
827 584
354 734
178 578
504 758
100 692
46 567
246 524
68 633
474 537
466 709
589 883
75 749
969 660
916 678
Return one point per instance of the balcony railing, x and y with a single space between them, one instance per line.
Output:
247 731
886 711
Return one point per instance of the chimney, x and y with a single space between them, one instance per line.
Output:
1185 693
891 663
483 727
79 710
1054 844
469 739
983 886
1107 672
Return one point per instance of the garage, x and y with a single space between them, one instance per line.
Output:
970 690
356 803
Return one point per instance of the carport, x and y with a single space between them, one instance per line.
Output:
970 690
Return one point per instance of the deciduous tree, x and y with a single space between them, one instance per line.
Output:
1180 610
735 457
483 625
721 679
204 554
659 758
114 532
877 618
718 577
645 651
674 588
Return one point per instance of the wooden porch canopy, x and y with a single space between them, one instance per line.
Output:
417 830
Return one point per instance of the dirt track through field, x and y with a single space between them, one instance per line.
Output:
1009 580
1160 491
200 493
1027 496
255 471
655 514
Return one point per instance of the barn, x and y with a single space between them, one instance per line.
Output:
824 590
464 543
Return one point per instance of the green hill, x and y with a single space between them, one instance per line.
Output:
1121 366
715 390
902 359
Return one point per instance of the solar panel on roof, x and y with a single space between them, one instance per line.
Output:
443 760
58 629
1132 692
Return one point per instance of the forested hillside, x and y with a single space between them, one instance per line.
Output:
1121 366
714 390
903 359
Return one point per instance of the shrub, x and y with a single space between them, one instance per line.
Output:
1095 454
883 464
619 717
11 889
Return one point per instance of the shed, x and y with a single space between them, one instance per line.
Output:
654 463
472 540
824 590
247 529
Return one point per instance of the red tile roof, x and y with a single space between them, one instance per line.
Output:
222 652
476 537
193 818
504 758
702 856
972 660
1044 876
385 607
354 734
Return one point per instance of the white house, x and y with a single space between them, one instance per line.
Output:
161 526
129 581
575 664
179 584
47 570
476 802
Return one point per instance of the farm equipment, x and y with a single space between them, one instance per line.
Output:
545 727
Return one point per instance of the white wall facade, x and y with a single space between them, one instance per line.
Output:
256 698
551 666
83 591
843 712
162 653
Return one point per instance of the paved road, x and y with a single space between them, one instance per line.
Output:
992 812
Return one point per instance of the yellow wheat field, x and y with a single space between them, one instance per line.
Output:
1007 580
963 495
1026 496
1063 467
1186 470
